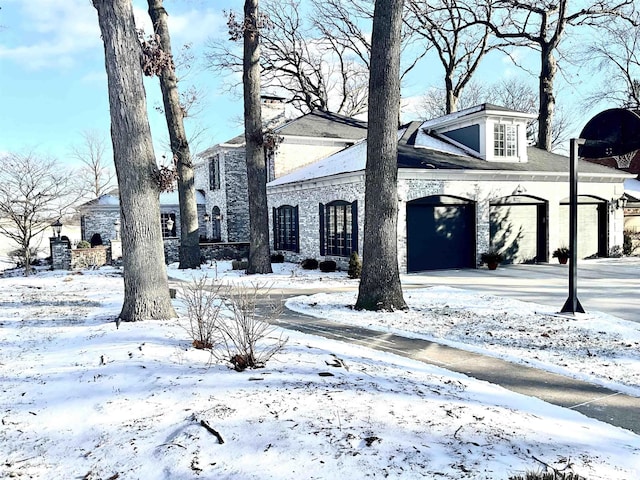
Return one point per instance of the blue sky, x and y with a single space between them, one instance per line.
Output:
52 77
53 83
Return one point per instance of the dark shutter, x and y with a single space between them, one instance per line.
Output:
275 229
354 226
296 224
321 219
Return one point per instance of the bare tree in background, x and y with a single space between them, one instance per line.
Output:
541 25
146 287
514 93
96 175
380 287
189 251
34 192
616 51
259 258
317 62
460 43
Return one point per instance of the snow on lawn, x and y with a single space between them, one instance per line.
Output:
596 347
82 399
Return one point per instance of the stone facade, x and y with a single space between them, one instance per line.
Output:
414 185
60 254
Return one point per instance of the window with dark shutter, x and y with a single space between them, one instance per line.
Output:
285 228
214 173
338 228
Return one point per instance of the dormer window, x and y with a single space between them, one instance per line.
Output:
505 140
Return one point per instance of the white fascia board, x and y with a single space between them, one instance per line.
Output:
339 179
506 175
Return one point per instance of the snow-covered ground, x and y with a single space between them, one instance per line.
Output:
82 399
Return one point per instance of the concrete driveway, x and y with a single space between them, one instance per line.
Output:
610 285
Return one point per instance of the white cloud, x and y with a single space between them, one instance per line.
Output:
50 33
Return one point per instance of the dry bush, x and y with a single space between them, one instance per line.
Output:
204 300
247 340
232 322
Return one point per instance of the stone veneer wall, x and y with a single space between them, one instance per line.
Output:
60 254
235 184
101 221
90 257
308 200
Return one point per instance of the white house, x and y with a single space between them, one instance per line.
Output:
467 182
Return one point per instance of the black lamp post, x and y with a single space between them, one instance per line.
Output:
57 228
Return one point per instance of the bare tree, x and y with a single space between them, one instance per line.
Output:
146 288
34 192
542 26
318 62
189 251
96 175
460 43
259 258
380 287
616 50
514 93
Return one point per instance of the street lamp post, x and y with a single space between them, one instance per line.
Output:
572 305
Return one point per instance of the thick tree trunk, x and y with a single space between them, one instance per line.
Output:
146 289
380 287
259 259
547 99
189 235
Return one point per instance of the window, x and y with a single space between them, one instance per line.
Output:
168 223
339 228
505 140
214 173
285 228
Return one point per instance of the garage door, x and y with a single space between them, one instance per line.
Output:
441 233
518 228
592 227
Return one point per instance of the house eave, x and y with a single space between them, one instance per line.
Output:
331 180
503 175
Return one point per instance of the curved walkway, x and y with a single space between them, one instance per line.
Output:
591 400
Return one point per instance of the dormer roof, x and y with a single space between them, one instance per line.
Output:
482 110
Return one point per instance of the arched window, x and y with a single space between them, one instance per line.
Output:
285 228
339 228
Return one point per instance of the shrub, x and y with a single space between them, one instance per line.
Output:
277 258
561 252
239 264
492 256
615 251
224 320
327 266
83 244
246 340
96 240
18 255
548 476
355 266
204 303
309 264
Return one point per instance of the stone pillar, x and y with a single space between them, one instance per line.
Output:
60 254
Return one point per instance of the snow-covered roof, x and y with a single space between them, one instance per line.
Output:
350 159
112 200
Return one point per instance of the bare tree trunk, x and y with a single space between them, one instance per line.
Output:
547 98
189 235
380 287
259 259
146 289
451 100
